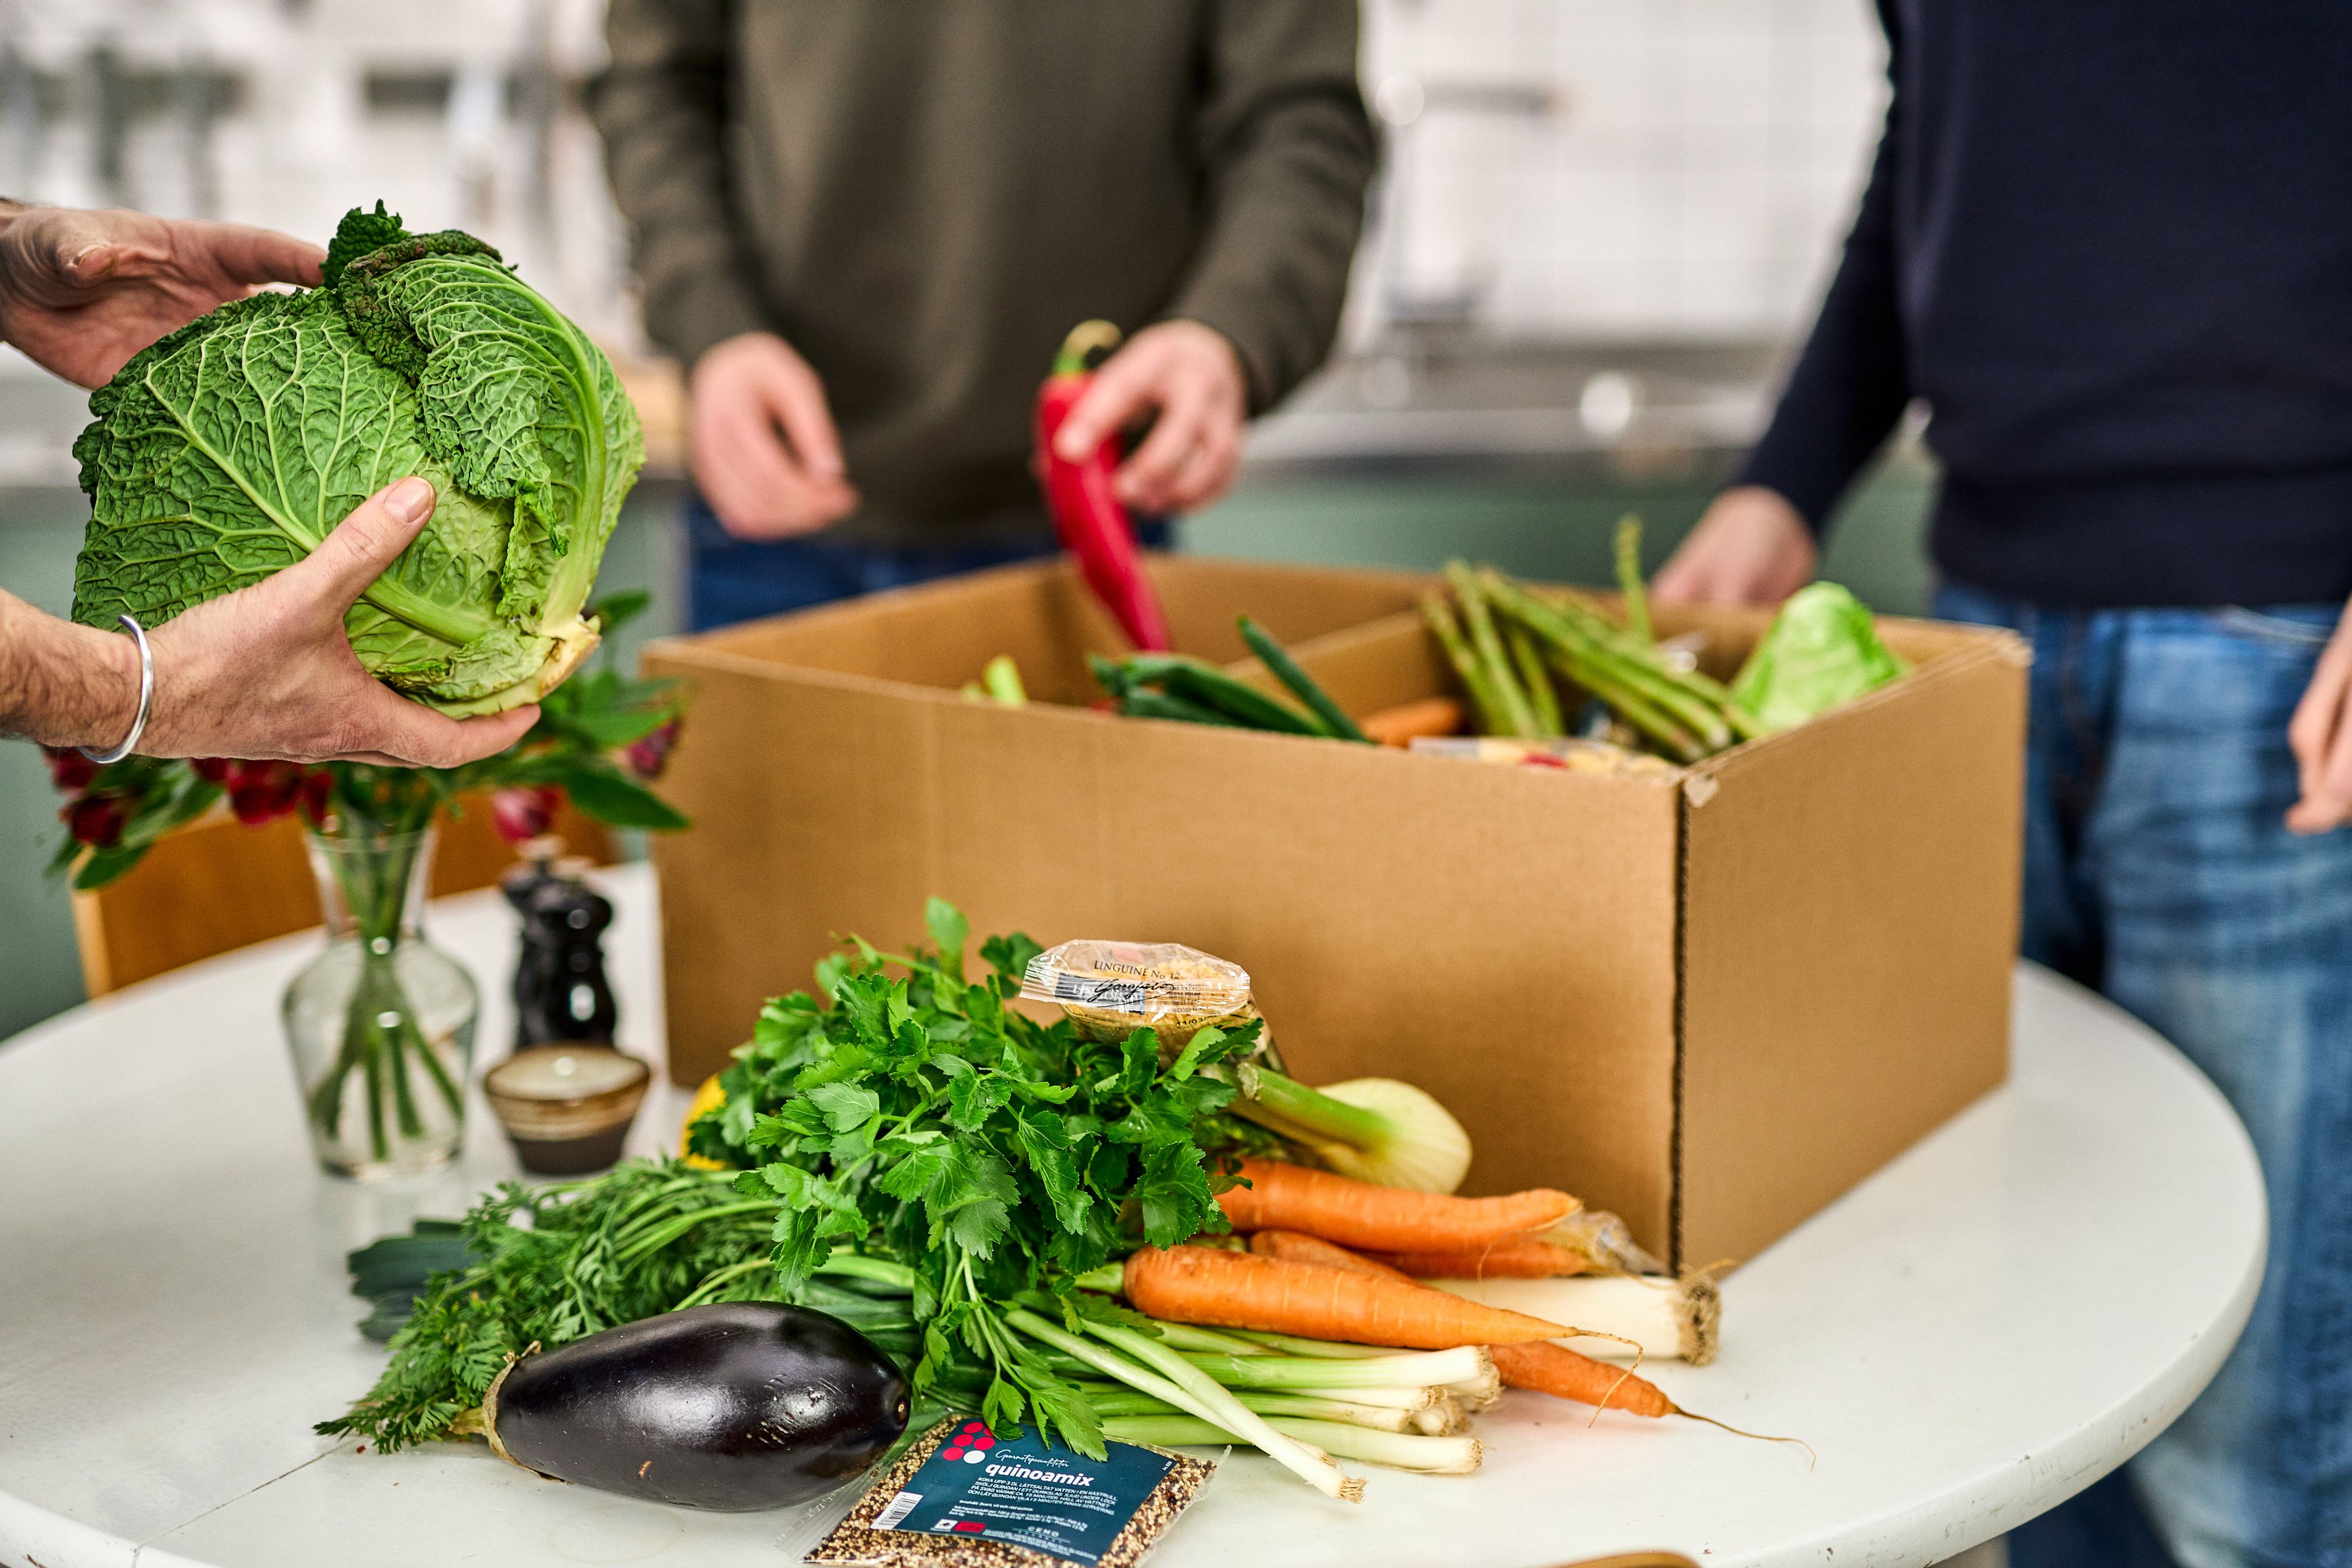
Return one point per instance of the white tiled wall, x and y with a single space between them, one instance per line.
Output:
1669 168
1620 169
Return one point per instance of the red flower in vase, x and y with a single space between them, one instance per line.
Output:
524 813
317 784
69 769
97 820
647 755
261 793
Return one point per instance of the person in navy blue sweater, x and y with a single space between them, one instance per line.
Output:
2107 244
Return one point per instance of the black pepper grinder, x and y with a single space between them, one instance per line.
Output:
560 990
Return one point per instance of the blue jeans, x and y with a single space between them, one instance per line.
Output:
730 579
2156 870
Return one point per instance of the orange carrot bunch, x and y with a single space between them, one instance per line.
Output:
1226 1290
1354 1214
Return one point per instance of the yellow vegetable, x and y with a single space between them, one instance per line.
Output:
709 1098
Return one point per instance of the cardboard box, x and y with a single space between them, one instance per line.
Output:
1710 1000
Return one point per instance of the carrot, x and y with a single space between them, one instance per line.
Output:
1247 1291
1518 1258
1399 725
1383 1219
1561 1373
1538 1366
1296 1246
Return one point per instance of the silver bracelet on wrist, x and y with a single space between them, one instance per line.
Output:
146 696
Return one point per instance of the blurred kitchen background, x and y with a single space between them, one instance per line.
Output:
1599 227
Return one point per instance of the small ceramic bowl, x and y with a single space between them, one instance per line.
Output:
566 1108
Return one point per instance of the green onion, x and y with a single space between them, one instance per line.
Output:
1144 703
1432 1455
1410 1370
1190 1337
1277 661
1330 1349
1194 681
1381 1419
1215 1404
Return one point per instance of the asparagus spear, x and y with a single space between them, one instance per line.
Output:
1615 676
1448 632
1487 644
1536 679
1589 618
1629 579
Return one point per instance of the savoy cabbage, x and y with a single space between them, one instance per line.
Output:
229 448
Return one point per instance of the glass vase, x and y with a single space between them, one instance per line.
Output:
381 1022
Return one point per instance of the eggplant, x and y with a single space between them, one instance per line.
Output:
735 1405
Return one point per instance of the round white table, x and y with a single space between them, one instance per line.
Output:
1985 1327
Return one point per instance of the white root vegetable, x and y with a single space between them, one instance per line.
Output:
1444 1419
1669 1318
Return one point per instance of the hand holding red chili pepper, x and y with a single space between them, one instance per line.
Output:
1188 375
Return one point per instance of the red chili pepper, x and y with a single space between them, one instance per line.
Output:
1087 513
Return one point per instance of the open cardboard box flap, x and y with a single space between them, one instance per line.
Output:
1709 1000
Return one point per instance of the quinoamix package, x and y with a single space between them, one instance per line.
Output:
961 1497
1110 989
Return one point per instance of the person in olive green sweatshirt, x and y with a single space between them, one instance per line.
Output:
865 227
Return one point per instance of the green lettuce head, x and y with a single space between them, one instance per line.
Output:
1823 649
230 448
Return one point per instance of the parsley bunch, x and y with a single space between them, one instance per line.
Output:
913 1155
998 1158
552 1263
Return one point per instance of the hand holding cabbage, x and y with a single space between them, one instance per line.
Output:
228 451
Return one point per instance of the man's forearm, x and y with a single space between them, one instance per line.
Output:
1853 380
1291 152
62 684
659 106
